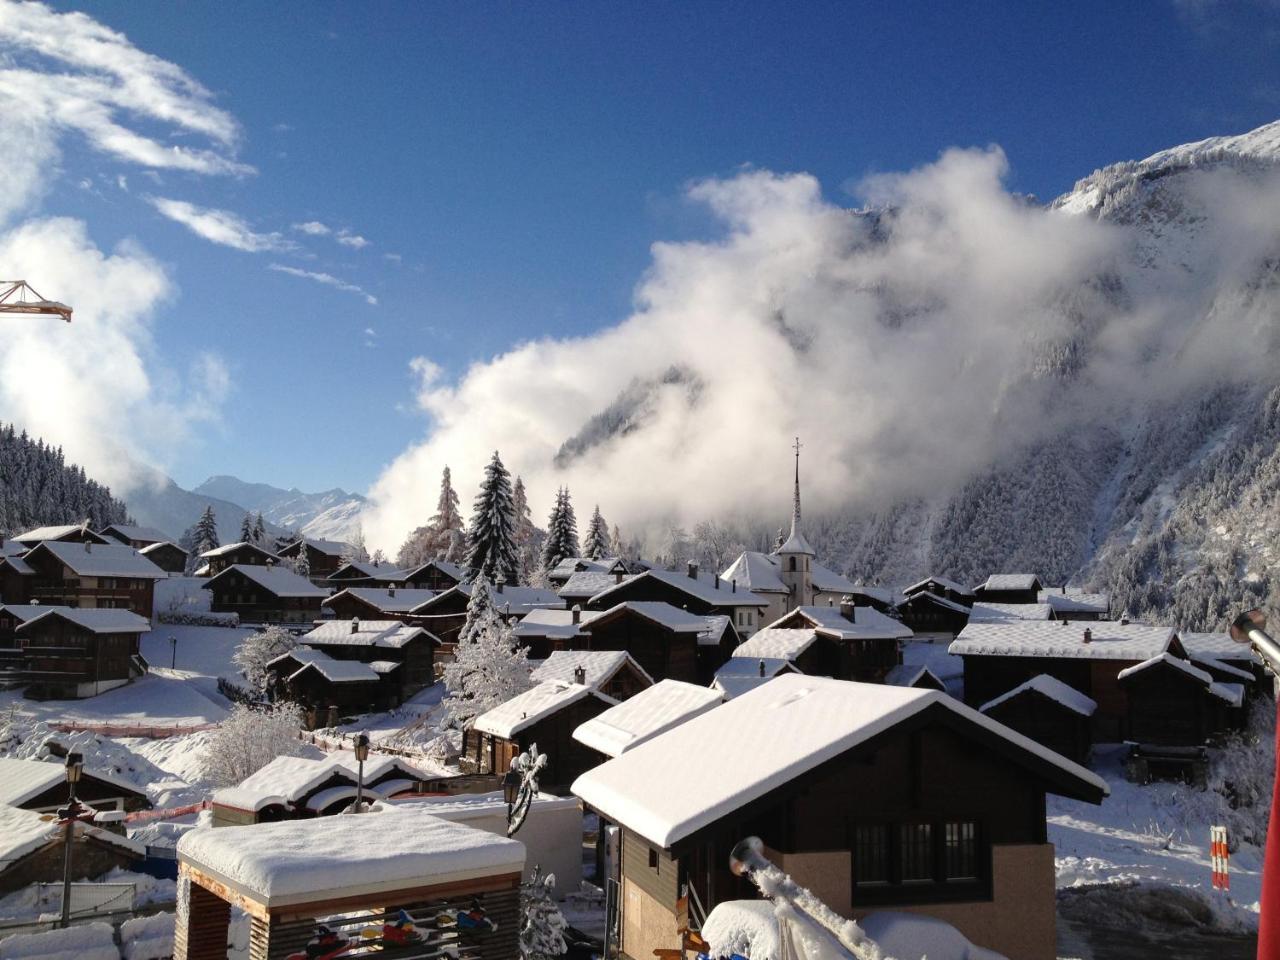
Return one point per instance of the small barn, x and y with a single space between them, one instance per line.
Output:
1050 713
265 594
169 557
324 557
612 672
1009 588
661 638
376 603
41 786
234 554
546 715
1174 703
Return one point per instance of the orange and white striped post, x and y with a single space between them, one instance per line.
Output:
1219 858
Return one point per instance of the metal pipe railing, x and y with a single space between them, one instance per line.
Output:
1250 628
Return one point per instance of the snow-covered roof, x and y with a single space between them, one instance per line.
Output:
82 941
1010 581
21 780
879 594
384 666
513 599
1233 693
755 571
508 719
461 807
1052 688
391 634
457 572
600 666
287 780
29 611
339 671
275 580
1210 664
738 667
571 565
732 685
158 546
587 584
914 936
229 548
101 559
776 643
1219 646
367 568
22 832
1075 602
330 548
796 543
127 532
1110 640
765 739
716 625
867 623
542 622
909 674
389 848
943 582
924 596
826 580
42 534
652 711
703 588
95 620
300 655
386 599
661 613
987 612
18 565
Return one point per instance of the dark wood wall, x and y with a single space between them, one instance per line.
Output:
662 653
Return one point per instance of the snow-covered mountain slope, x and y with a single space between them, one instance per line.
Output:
330 514
171 508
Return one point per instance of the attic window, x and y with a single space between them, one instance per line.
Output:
653 859
793 564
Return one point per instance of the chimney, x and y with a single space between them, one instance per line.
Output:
1124 621
735 585
1088 635
617 576
577 614
580 676
846 608
693 569
88 547
762 666
355 624
500 583
717 581
391 590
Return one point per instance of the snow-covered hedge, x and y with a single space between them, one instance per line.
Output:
198 618
87 941
147 938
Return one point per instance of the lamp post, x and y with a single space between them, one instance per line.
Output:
362 754
74 767
173 643
510 790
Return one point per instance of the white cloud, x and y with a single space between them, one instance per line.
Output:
910 349
327 279
219 226
393 257
352 240
313 228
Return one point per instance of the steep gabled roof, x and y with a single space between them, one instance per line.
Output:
940 581
649 713
100 560
330 548
702 588
126 533
386 599
230 548
508 719
773 735
1052 689
367 568
56 533
95 620
600 666
1010 581
1110 640
452 570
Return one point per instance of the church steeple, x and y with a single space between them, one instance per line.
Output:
796 543
795 509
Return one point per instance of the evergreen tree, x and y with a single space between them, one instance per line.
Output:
246 528
285 538
542 925
489 667
356 551
259 530
491 538
616 547
302 563
205 535
779 540
597 542
442 538
562 532
526 533
39 488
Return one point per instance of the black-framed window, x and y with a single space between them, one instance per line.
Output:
960 851
919 861
871 854
916 846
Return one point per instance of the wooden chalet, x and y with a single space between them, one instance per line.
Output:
68 653
376 603
265 594
390 860
1076 605
931 614
324 557
612 672
235 554
545 715
544 631
41 786
1050 713
134 536
64 533
297 788
88 574
364 573
845 642
609 568
691 591
663 639
445 613
435 575
1173 703
32 850
941 587
1088 657
169 557
1009 588
874 797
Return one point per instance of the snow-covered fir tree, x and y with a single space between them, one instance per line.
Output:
597 543
356 551
617 547
526 533
542 925
259 649
284 539
489 667
562 532
205 536
259 530
246 528
39 488
247 740
491 538
442 537
302 563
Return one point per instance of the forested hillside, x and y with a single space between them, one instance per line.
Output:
38 487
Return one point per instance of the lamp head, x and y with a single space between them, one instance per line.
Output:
510 786
362 747
75 766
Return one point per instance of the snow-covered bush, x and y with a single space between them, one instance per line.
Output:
1241 773
259 649
249 739
198 618
542 925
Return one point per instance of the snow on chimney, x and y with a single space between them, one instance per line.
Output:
580 676
355 624
500 583
577 614
762 666
391 590
717 581
1088 635
88 547
693 569
846 608
617 576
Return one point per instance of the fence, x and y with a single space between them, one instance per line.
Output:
146 816
87 899
149 731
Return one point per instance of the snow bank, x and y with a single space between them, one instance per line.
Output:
745 927
88 941
913 936
147 938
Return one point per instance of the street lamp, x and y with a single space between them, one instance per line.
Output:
511 789
362 754
74 768
173 662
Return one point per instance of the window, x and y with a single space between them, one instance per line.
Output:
870 854
793 564
653 858
961 850
917 852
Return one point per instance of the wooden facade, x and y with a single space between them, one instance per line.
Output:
1171 708
55 583
663 653
246 554
62 659
567 759
1048 722
434 575
169 557
233 592
322 560
926 612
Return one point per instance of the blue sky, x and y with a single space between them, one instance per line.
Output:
510 164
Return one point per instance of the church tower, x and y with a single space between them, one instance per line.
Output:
795 556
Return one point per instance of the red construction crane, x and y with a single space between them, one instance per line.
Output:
14 299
